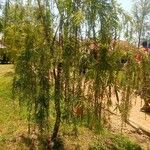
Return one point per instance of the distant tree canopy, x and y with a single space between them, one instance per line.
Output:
141 17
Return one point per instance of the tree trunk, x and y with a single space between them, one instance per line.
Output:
139 38
57 101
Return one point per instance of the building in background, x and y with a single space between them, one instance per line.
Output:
146 45
4 54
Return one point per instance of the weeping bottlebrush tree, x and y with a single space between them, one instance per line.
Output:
32 69
65 61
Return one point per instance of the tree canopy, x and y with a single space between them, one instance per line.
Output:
68 61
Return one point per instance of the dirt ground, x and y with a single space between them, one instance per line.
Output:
139 122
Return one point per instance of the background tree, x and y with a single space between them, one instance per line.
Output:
141 16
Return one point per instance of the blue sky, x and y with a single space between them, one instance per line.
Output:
126 4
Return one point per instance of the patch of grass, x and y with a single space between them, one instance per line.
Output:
12 124
89 140
114 142
6 76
